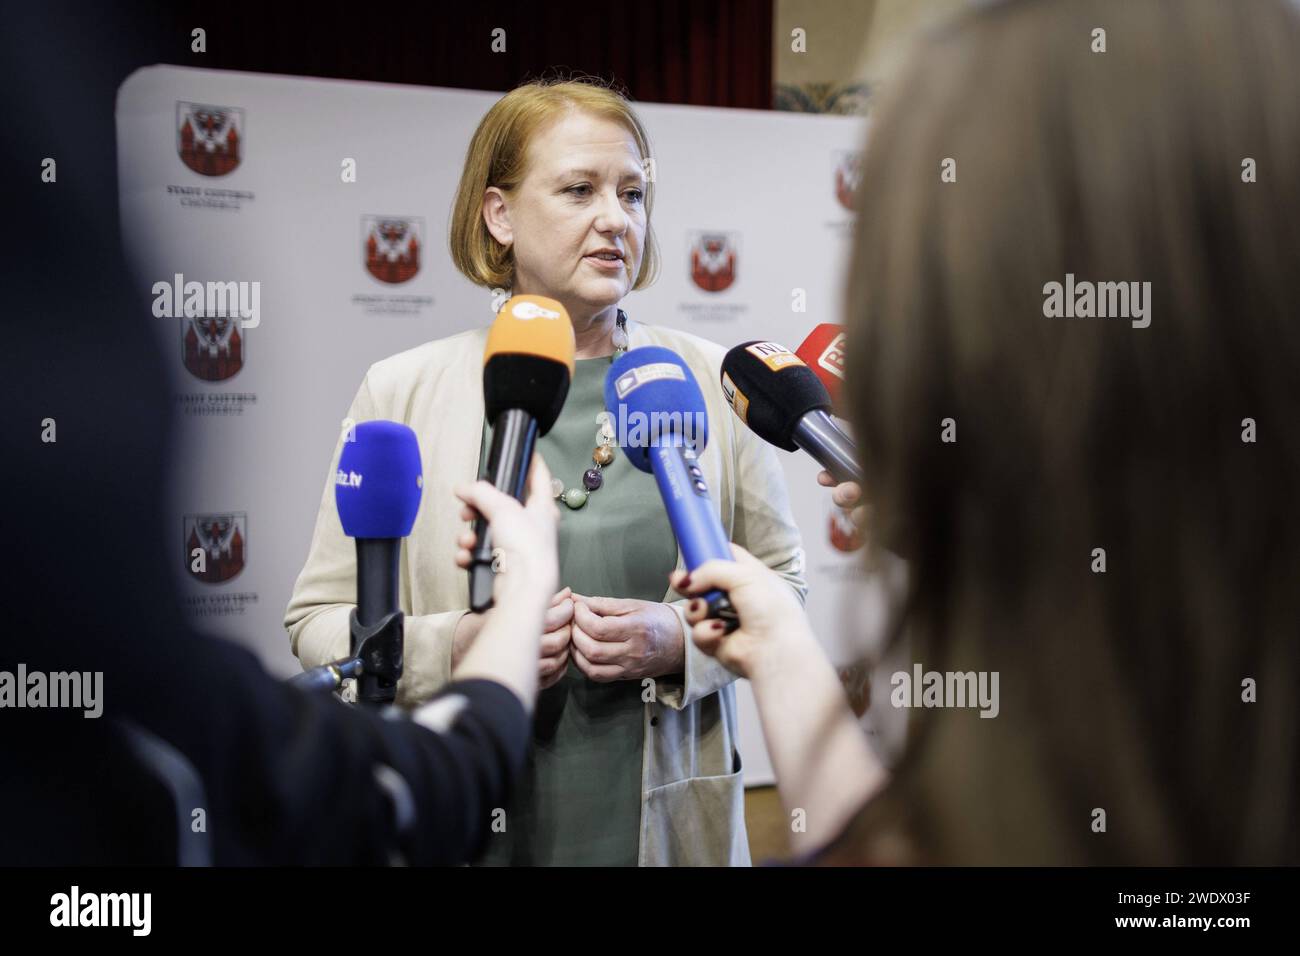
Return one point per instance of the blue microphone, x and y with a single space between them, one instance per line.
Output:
377 490
663 428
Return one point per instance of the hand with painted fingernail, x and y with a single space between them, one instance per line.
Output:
770 614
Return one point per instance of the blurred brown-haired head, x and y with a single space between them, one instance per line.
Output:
1012 453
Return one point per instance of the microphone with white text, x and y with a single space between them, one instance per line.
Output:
527 368
663 427
782 401
823 352
377 490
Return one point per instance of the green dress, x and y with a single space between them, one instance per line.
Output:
579 803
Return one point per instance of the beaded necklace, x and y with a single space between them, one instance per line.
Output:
603 453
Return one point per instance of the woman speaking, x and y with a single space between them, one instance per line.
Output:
635 733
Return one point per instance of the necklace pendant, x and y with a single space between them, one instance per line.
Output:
575 498
619 338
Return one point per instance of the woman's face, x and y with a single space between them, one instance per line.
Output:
584 192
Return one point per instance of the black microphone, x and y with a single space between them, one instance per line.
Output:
527 368
784 402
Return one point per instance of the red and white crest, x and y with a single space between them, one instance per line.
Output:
223 541
848 173
212 347
713 260
390 247
209 139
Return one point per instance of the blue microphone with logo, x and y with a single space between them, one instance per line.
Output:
377 490
662 424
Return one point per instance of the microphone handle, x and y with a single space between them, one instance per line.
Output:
514 436
818 435
377 560
694 521
327 677
380 648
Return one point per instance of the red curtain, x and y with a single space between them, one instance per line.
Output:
675 51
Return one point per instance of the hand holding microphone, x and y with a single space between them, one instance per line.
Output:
847 495
525 543
819 753
796 399
823 351
772 623
524 537
527 367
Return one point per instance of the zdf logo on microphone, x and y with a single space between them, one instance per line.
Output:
528 309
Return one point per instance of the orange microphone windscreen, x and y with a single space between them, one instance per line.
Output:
528 362
532 325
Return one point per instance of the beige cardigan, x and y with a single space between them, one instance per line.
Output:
692 805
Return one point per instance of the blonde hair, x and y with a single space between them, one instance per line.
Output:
497 156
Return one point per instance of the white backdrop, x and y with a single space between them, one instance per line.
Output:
268 204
